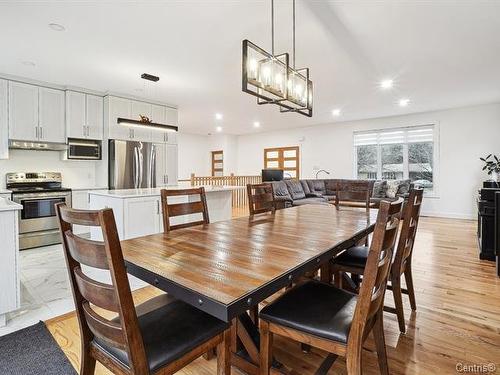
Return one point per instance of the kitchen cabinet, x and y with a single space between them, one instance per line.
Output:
143 216
138 109
84 116
80 200
51 115
36 113
161 164
172 164
23 112
158 115
4 124
172 119
117 107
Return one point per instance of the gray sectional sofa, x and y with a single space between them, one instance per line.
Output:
299 192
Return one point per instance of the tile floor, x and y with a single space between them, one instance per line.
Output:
45 288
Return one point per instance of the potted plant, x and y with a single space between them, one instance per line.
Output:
492 166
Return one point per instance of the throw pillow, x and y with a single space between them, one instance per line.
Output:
379 189
404 187
392 188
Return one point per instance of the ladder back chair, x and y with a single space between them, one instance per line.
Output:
326 317
261 198
354 259
160 336
353 193
171 210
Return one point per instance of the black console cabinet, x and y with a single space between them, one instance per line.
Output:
486 223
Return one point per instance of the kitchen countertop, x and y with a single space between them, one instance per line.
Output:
135 193
89 188
8 205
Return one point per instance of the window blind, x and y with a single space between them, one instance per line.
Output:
395 136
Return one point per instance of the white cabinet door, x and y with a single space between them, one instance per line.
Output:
23 111
159 116
118 107
94 117
138 109
142 217
172 119
172 164
4 124
80 200
161 164
75 115
51 121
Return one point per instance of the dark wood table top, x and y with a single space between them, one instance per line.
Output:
225 268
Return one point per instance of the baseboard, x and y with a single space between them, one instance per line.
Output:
449 215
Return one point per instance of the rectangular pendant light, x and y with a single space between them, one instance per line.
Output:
149 125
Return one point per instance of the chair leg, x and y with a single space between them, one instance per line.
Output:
398 302
353 362
209 355
254 315
378 334
266 348
409 287
87 365
224 354
337 278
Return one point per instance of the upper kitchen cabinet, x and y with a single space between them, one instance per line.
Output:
166 116
114 108
138 109
23 112
172 119
51 117
36 113
84 116
4 125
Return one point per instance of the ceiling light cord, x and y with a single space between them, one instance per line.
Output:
272 27
294 34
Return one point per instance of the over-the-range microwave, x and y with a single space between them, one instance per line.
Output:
82 149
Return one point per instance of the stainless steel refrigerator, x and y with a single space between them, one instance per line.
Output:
132 165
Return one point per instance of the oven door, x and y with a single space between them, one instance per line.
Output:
38 213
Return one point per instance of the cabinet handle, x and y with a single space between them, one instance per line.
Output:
167 178
157 207
41 132
36 132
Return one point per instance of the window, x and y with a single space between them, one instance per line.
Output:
217 163
286 158
394 154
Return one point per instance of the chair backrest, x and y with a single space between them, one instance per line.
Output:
406 241
378 264
115 297
353 191
261 198
180 209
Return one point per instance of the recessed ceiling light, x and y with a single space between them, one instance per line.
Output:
219 129
218 116
404 102
28 63
57 27
256 124
386 84
336 112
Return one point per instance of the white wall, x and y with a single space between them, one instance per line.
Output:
465 135
194 155
75 174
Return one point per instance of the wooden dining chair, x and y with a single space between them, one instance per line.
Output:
326 317
160 336
261 198
354 260
353 193
171 210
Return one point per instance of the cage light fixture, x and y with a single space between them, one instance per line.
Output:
273 80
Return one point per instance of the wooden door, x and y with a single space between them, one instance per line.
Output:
285 158
217 163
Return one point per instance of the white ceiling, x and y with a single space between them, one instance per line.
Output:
441 54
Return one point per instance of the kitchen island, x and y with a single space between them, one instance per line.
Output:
9 253
138 212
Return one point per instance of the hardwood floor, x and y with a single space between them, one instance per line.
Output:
457 319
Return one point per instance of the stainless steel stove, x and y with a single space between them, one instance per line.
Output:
38 192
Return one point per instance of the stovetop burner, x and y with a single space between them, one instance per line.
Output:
35 182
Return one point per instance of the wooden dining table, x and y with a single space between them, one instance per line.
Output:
227 268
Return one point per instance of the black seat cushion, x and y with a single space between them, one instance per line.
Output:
295 188
353 257
314 200
316 308
170 328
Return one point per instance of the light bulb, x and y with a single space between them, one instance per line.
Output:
266 74
252 68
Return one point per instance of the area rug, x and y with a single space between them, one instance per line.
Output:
32 351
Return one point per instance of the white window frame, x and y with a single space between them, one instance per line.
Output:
434 193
